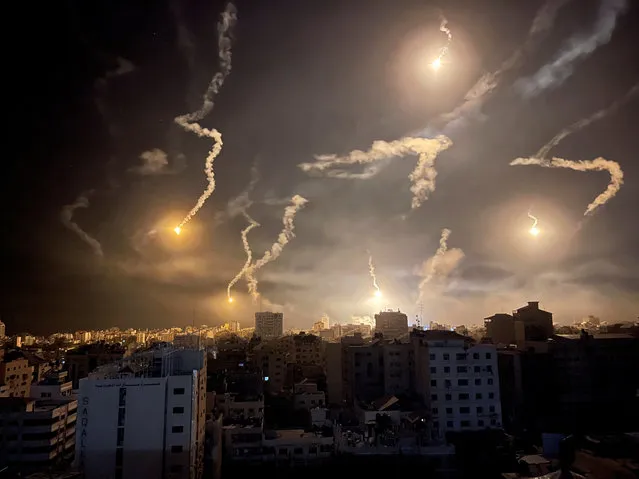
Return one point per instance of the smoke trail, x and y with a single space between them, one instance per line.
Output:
444 50
284 237
441 264
242 202
483 88
535 221
422 177
189 120
249 255
371 270
598 164
66 215
584 122
576 48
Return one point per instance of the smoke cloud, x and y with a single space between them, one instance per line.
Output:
422 177
189 121
598 164
154 162
367 320
578 47
66 216
286 235
440 265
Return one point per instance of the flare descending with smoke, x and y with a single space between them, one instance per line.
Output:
422 177
437 62
286 235
598 164
189 121
533 229
371 270
576 48
66 216
441 264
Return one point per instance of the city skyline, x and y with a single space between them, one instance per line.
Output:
130 174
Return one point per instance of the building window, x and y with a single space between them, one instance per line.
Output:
178 410
480 409
480 423
446 357
475 355
449 397
478 396
462 382
476 369
464 410
450 424
433 397
491 408
447 383
462 369
465 424
477 382
178 391
432 357
435 410
447 369
120 436
122 396
489 381
433 369
176 449
177 429
491 395
449 410
121 416
460 356
493 422
488 355
433 382
463 397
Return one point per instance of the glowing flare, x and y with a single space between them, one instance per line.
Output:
378 294
436 63
177 230
230 299
534 231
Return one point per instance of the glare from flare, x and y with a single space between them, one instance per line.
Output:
177 230
534 231
378 294
230 299
436 63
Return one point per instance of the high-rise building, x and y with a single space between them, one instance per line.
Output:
144 416
392 324
269 325
15 375
537 322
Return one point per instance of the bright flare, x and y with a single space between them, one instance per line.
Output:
436 63
378 294
534 231
177 230
230 300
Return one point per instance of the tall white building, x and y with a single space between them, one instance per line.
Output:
464 383
269 325
144 416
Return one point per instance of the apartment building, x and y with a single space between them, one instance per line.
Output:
144 416
464 383
269 325
36 433
15 375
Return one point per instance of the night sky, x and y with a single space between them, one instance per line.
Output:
308 78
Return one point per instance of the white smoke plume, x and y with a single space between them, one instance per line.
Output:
154 162
66 216
440 265
249 255
444 50
367 320
422 177
576 48
483 88
598 164
584 122
242 202
371 270
286 235
189 121
535 221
